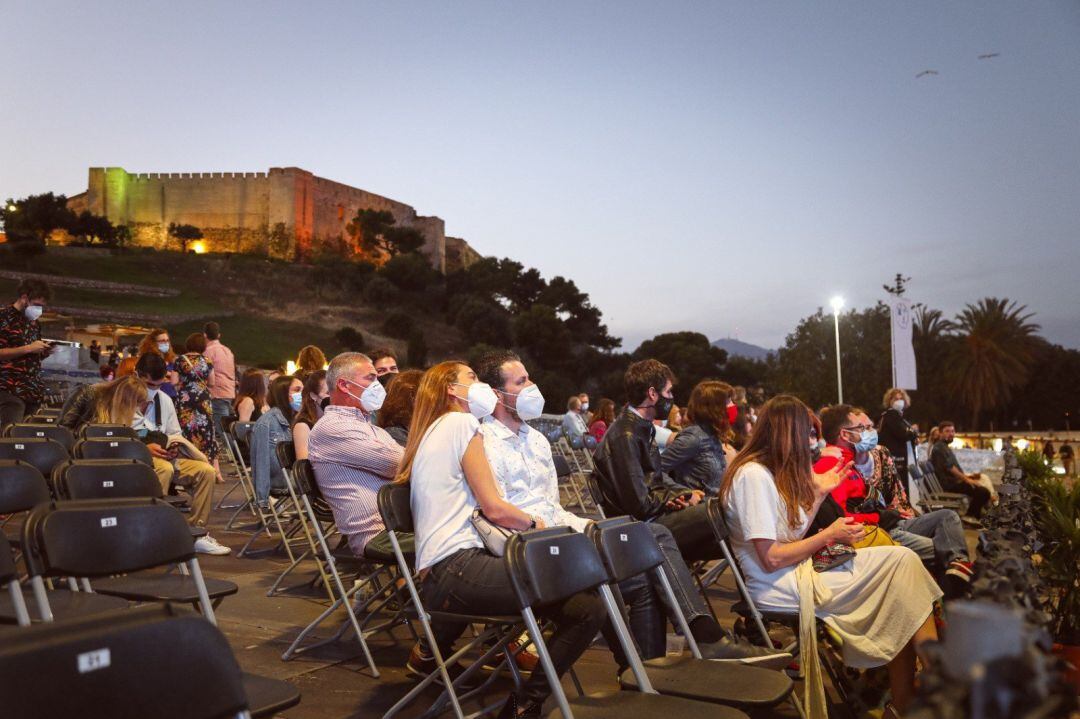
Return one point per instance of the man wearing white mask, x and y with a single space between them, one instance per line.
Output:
21 351
352 457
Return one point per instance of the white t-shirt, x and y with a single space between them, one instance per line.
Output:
442 502
755 510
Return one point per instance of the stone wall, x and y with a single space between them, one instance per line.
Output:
460 255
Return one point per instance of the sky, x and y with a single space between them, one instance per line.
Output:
724 167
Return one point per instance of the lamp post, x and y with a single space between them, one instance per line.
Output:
838 302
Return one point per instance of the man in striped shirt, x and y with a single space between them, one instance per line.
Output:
353 458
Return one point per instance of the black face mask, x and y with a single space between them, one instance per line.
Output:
385 379
324 403
663 407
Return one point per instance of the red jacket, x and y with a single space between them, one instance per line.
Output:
853 487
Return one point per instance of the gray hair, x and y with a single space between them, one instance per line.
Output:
343 365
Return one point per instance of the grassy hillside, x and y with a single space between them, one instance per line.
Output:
267 309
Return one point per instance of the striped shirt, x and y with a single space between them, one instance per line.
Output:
352 459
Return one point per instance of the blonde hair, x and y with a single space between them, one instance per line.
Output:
886 401
118 400
432 401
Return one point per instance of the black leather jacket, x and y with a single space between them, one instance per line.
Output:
628 470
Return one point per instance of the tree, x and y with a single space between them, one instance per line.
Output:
398 325
184 233
993 356
541 333
376 233
350 339
410 272
121 237
483 322
690 356
29 222
93 227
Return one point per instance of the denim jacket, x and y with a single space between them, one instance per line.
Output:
695 459
271 428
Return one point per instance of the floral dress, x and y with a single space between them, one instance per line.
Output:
193 403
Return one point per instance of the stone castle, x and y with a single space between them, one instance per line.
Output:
286 213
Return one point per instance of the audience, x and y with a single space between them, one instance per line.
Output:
250 400
385 361
274 426
193 396
602 418
446 467
397 410
353 458
696 457
157 340
310 359
316 396
573 423
952 478
769 494
897 434
21 350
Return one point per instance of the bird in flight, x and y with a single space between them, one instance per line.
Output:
926 72
989 55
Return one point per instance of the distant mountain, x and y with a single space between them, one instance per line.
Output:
736 348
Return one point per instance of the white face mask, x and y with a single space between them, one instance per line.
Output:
898 405
530 403
371 399
32 312
481 399
584 406
164 347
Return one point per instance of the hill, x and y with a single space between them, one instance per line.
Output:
737 348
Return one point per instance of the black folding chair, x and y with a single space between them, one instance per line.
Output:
104 479
106 431
41 452
595 493
396 511
125 666
40 418
628 549
27 430
715 513
102 538
548 566
113 448
9 580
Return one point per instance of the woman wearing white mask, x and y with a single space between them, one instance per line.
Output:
449 475
895 432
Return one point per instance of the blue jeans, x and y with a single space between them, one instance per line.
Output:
937 535
222 408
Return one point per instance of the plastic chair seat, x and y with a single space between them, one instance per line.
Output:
636 705
720 682
161 588
266 696
786 618
65 605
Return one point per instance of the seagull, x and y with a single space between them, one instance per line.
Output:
989 55
926 72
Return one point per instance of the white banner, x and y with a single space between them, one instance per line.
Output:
903 352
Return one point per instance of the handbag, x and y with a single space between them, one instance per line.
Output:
875 537
492 535
832 555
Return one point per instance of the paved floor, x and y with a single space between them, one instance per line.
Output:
334 680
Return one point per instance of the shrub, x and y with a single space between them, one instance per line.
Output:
410 272
379 291
398 325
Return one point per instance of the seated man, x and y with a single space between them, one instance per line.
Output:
385 363
352 457
158 426
936 536
628 466
952 478
521 462
573 423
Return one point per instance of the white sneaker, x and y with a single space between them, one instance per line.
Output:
209 545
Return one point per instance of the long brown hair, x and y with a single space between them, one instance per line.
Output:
708 407
780 442
397 409
252 384
309 412
117 400
279 395
309 359
432 401
149 345
605 412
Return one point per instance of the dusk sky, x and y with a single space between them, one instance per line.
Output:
724 167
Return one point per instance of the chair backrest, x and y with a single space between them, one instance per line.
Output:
114 448
628 548
562 467
395 507
715 512
105 479
41 452
124 666
44 418
595 492
286 454
241 430
550 565
26 430
8 571
94 538
21 486
106 431
49 411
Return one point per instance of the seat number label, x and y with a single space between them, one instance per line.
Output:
40 434
92 661
624 538
108 521
20 446
114 444
554 551
107 483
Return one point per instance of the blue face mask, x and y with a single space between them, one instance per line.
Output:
296 401
867 441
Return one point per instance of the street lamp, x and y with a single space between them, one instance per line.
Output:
837 302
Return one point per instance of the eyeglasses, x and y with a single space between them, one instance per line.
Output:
859 428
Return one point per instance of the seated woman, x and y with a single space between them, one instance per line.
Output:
448 472
311 409
697 456
397 410
602 418
880 602
286 396
250 400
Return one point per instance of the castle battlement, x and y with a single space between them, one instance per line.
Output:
146 176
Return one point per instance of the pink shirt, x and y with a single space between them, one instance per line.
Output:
223 379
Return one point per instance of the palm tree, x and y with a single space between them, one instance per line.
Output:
993 355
